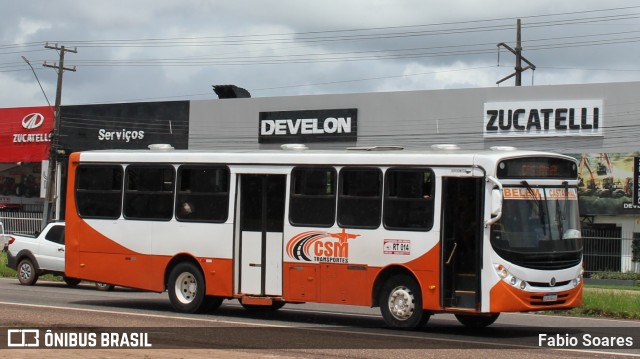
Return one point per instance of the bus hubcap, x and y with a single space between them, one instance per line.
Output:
401 303
186 287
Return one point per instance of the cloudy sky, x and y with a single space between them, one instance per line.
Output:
156 50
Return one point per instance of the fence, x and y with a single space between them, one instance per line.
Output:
611 251
22 222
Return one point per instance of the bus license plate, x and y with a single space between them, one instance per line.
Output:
550 298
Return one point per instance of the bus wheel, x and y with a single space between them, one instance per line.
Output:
71 282
477 320
27 272
401 303
210 304
186 288
104 286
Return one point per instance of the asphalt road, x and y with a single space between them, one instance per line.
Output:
125 318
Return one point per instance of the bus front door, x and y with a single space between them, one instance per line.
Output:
261 220
461 242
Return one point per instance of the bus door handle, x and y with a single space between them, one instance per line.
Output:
453 251
255 265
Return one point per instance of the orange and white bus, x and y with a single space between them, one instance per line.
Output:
415 233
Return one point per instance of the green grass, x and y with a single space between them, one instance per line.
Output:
618 287
608 303
4 270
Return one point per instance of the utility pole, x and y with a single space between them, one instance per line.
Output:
51 198
519 58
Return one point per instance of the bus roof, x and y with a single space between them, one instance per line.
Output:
361 156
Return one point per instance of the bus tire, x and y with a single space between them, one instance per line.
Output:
186 288
477 320
71 282
210 304
401 303
104 287
27 273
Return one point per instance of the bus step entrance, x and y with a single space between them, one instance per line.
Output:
465 290
466 281
465 299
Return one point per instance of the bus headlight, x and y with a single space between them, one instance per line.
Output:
576 281
502 271
504 274
523 285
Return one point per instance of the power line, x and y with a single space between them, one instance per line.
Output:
330 35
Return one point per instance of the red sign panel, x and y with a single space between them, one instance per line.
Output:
25 133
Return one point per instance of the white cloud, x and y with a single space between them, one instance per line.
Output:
460 55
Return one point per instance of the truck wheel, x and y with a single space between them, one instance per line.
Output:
186 289
401 303
27 272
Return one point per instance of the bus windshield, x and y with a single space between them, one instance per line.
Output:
539 227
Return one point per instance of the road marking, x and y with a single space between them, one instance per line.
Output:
142 314
404 335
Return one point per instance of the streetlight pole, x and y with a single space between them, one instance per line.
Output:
37 79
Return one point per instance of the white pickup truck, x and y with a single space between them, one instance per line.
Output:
4 238
32 256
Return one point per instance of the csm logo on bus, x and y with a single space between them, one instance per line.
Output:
319 246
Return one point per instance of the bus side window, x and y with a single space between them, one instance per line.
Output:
149 192
313 197
99 191
360 198
203 194
408 200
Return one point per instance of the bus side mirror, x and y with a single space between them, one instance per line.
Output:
496 202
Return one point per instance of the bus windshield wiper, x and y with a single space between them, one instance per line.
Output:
538 203
560 214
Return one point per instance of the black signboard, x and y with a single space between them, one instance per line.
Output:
124 126
333 125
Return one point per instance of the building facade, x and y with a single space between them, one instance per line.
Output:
598 124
